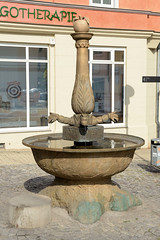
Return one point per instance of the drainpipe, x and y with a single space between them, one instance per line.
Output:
157 109
157 94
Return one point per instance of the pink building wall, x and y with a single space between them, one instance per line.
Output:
99 18
147 5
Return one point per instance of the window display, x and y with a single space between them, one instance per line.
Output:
107 75
24 86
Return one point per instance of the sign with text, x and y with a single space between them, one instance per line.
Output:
38 14
49 13
150 79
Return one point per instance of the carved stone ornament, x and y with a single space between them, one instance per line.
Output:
82 119
81 24
82 96
82 44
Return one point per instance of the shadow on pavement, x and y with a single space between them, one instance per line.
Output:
35 185
149 168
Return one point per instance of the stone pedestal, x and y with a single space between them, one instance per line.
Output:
86 201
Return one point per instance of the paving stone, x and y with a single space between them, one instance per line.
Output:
19 172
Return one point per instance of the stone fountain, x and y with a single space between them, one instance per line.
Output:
84 158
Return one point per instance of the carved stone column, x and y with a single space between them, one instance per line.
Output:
82 96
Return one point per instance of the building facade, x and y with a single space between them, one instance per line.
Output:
38 64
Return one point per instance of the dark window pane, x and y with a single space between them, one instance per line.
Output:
38 53
106 1
101 55
12 95
38 94
12 52
119 56
102 84
96 1
118 95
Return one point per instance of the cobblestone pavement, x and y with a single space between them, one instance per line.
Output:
18 173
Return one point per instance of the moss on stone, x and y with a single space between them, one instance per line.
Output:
88 212
123 201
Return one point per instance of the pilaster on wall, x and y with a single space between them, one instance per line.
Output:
152 70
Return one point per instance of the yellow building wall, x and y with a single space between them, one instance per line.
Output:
140 61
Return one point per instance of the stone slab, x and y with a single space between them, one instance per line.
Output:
83 134
28 210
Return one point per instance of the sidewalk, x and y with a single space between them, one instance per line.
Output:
19 172
15 157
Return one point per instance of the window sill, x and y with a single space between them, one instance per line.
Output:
101 6
23 130
114 125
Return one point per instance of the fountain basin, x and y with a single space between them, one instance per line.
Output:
96 162
83 183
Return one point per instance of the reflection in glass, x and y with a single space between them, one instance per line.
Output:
38 94
97 55
12 107
38 53
96 1
106 1
12 52
119 56
118 95
101 83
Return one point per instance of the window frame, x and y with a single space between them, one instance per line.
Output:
114 4
27 61
113 63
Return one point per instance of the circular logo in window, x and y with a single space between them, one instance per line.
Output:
13 91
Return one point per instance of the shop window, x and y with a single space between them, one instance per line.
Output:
107 68
105 3
23 87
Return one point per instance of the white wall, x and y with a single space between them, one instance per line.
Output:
65 69
139 97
